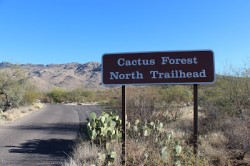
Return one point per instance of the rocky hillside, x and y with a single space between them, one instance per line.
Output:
68 76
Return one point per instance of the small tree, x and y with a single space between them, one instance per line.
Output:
233 92
176 94
31 97
12 87
58 95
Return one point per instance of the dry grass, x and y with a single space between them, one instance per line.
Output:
87 154
221 138
135 151
217 139
213 145
17 113
218 156
146 152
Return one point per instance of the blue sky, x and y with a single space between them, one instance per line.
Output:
61 31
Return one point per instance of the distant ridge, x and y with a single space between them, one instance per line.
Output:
68 76
5 64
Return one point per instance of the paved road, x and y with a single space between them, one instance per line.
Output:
43 138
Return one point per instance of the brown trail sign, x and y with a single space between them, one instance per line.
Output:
189 67
178 67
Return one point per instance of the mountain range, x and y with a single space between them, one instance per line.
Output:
68 76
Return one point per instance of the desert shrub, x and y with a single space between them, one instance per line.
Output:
225 137
178 94
239 133
103 95
80 95
44 98
110 100
230 93
31 97
57 95
13 83
159 103
225 108
141 107
153 144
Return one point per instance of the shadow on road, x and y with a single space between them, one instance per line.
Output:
60 146
51 147
58 128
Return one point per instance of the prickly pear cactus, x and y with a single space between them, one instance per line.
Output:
178 148
104 128
164 154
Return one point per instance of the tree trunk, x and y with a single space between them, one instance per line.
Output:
7 104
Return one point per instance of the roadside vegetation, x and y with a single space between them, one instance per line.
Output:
18 97
59 95
160 125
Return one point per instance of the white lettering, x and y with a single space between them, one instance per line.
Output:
125 76
195 74
135 62
177 74
189 74
153 73
114 75
195 60
178 61
164 60
120 62
203 73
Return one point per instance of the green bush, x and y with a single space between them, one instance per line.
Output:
80 95
177 94
57 95
13 84
31 97
230 94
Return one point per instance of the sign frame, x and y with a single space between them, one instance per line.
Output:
160 83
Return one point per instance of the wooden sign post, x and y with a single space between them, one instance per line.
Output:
177 67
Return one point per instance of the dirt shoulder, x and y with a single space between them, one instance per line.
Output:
17 113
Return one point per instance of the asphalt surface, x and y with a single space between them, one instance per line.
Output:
43 138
